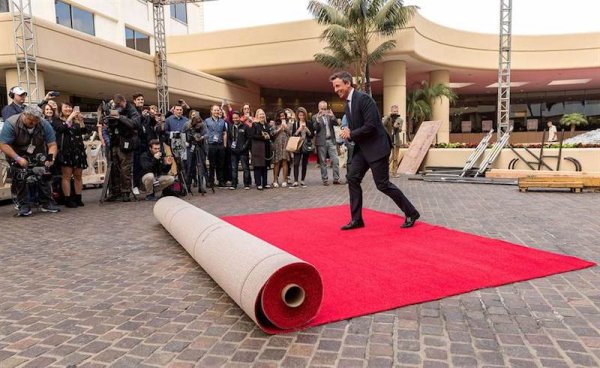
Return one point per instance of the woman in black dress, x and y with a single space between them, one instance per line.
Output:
71 152
261 139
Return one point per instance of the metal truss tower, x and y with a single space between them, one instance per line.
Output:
160 50
25 49
504 68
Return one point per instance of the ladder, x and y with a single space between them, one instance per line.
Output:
494 152
476 155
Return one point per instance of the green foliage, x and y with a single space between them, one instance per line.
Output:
576 119
350 30
419 101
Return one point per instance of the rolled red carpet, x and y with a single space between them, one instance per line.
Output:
381 266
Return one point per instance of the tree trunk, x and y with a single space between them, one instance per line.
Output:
368 81
572 127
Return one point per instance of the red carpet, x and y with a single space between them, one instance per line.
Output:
382 267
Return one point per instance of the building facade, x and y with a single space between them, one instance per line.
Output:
90 49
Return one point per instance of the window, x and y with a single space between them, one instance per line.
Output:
179 12
4 8
137 40
75 18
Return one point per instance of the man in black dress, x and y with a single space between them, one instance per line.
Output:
371 151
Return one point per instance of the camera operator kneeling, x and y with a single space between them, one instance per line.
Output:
155 170
24 140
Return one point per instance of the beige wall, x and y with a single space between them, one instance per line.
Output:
421 40
90 67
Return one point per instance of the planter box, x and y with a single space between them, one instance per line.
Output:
456 157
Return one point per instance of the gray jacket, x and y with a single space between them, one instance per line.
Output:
320 127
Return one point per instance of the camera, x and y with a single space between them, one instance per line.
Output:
35 171
54 93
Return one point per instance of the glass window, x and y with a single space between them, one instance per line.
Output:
63 14
137 40
83 21
179 12
129 38
142 42
4 6
75 18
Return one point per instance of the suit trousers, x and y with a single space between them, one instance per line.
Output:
381 176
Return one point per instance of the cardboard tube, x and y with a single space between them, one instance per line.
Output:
277 290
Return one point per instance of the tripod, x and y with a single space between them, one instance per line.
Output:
106 182
177 145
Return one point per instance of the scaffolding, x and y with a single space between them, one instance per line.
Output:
160 50
504 68
25 49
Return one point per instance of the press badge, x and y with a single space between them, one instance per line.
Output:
30 149
233 144
215 138
125 145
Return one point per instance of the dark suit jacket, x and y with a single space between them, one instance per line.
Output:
321 130
366 128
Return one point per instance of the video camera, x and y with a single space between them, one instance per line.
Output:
35 171
110 113
178 148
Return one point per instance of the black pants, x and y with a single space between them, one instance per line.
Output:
260 176
245 159
216 157
300 158
227 154
121 174
381 176
137 166
39 191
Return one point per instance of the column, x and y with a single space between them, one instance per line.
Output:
12 80
441 106
394 89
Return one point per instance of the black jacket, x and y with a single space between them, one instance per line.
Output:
240 137
366 128
150 164
127 126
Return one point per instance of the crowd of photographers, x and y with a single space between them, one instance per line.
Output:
156 155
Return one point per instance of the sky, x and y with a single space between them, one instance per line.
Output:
529 16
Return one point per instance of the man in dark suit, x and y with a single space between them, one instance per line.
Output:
371 151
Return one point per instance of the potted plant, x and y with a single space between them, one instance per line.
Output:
573 120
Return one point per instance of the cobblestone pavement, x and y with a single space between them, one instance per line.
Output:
107 286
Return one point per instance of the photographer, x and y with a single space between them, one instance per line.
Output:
195 131
123 126
24 138
155 170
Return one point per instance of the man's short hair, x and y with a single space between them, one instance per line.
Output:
154 142
235 112
118 98
394 106
136 95
33 111
213 105
343 75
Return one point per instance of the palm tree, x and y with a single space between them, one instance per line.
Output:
351 26
574 119
419 102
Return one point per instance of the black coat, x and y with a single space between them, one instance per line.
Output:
366 128
150 164
242 136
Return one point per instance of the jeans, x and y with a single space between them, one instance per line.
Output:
331 149
300 158
29 194
245 159
260 176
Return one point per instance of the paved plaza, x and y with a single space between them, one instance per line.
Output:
108 286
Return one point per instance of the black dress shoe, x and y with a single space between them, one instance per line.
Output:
410 220
354 224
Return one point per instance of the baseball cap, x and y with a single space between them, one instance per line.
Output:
18 91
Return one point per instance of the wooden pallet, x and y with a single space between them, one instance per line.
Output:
515 174
574 183
412 159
